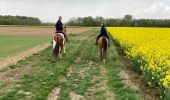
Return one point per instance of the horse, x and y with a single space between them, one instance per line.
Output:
58 45
103 45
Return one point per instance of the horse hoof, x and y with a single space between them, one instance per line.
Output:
60 57
104 61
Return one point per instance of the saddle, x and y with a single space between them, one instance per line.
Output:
60 34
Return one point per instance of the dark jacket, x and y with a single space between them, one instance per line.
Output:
59 26
103 31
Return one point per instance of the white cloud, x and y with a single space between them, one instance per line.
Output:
154 8
166 9
158 10
49 10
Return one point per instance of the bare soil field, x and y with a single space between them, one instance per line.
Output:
14 59
46 31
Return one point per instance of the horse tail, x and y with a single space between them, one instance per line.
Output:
57 46
104 40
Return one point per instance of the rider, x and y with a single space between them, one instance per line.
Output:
59 27
103 32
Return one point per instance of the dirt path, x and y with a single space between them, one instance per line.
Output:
54 94
11 76
22 56
87 79
135 81
100 87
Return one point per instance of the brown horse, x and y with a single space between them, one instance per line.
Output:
58 45
103 45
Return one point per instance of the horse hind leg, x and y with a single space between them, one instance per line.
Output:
101 54
64 49
60 53
104 61
54 44
61 50
53 52
104 56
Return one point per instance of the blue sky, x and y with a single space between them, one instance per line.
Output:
49 10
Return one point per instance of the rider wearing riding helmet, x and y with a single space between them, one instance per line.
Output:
59 27
103 32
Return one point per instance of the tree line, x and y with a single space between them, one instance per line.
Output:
18 20
126 21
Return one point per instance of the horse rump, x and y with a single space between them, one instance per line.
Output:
56 49
104 40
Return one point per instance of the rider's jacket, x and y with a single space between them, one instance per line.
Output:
103 31
59 26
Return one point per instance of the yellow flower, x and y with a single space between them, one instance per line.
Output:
151 45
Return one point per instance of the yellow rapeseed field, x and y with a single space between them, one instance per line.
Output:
151 49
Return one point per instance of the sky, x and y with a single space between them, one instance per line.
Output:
49 10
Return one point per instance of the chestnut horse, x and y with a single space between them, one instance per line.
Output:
103 45
58 45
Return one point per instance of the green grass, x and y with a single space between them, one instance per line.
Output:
44 78
13 44
77 83
46 73
113 67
